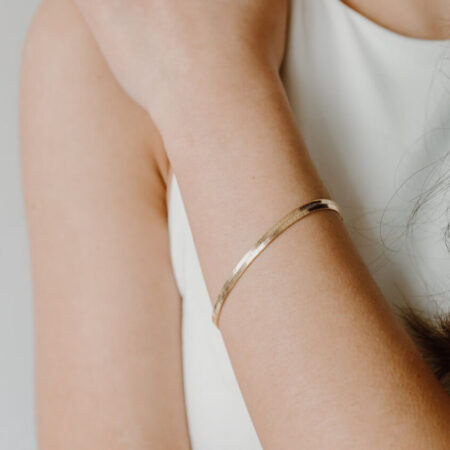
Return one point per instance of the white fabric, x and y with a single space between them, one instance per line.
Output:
374 108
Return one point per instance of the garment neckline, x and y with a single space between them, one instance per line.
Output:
388 32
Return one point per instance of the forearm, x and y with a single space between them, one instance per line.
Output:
240 162
319 357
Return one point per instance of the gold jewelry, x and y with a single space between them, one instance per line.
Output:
288 220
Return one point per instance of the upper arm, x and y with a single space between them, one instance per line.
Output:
108 367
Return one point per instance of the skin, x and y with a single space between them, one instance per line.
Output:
108 354
414 18
320 359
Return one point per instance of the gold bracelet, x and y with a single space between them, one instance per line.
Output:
288 220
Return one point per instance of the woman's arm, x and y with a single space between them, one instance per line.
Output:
320 359
108 373
319 356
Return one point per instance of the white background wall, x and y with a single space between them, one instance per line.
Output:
17 430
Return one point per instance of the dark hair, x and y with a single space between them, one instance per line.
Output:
432 334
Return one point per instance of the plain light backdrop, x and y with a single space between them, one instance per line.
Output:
17 429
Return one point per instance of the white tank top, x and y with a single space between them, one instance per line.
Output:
374 109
